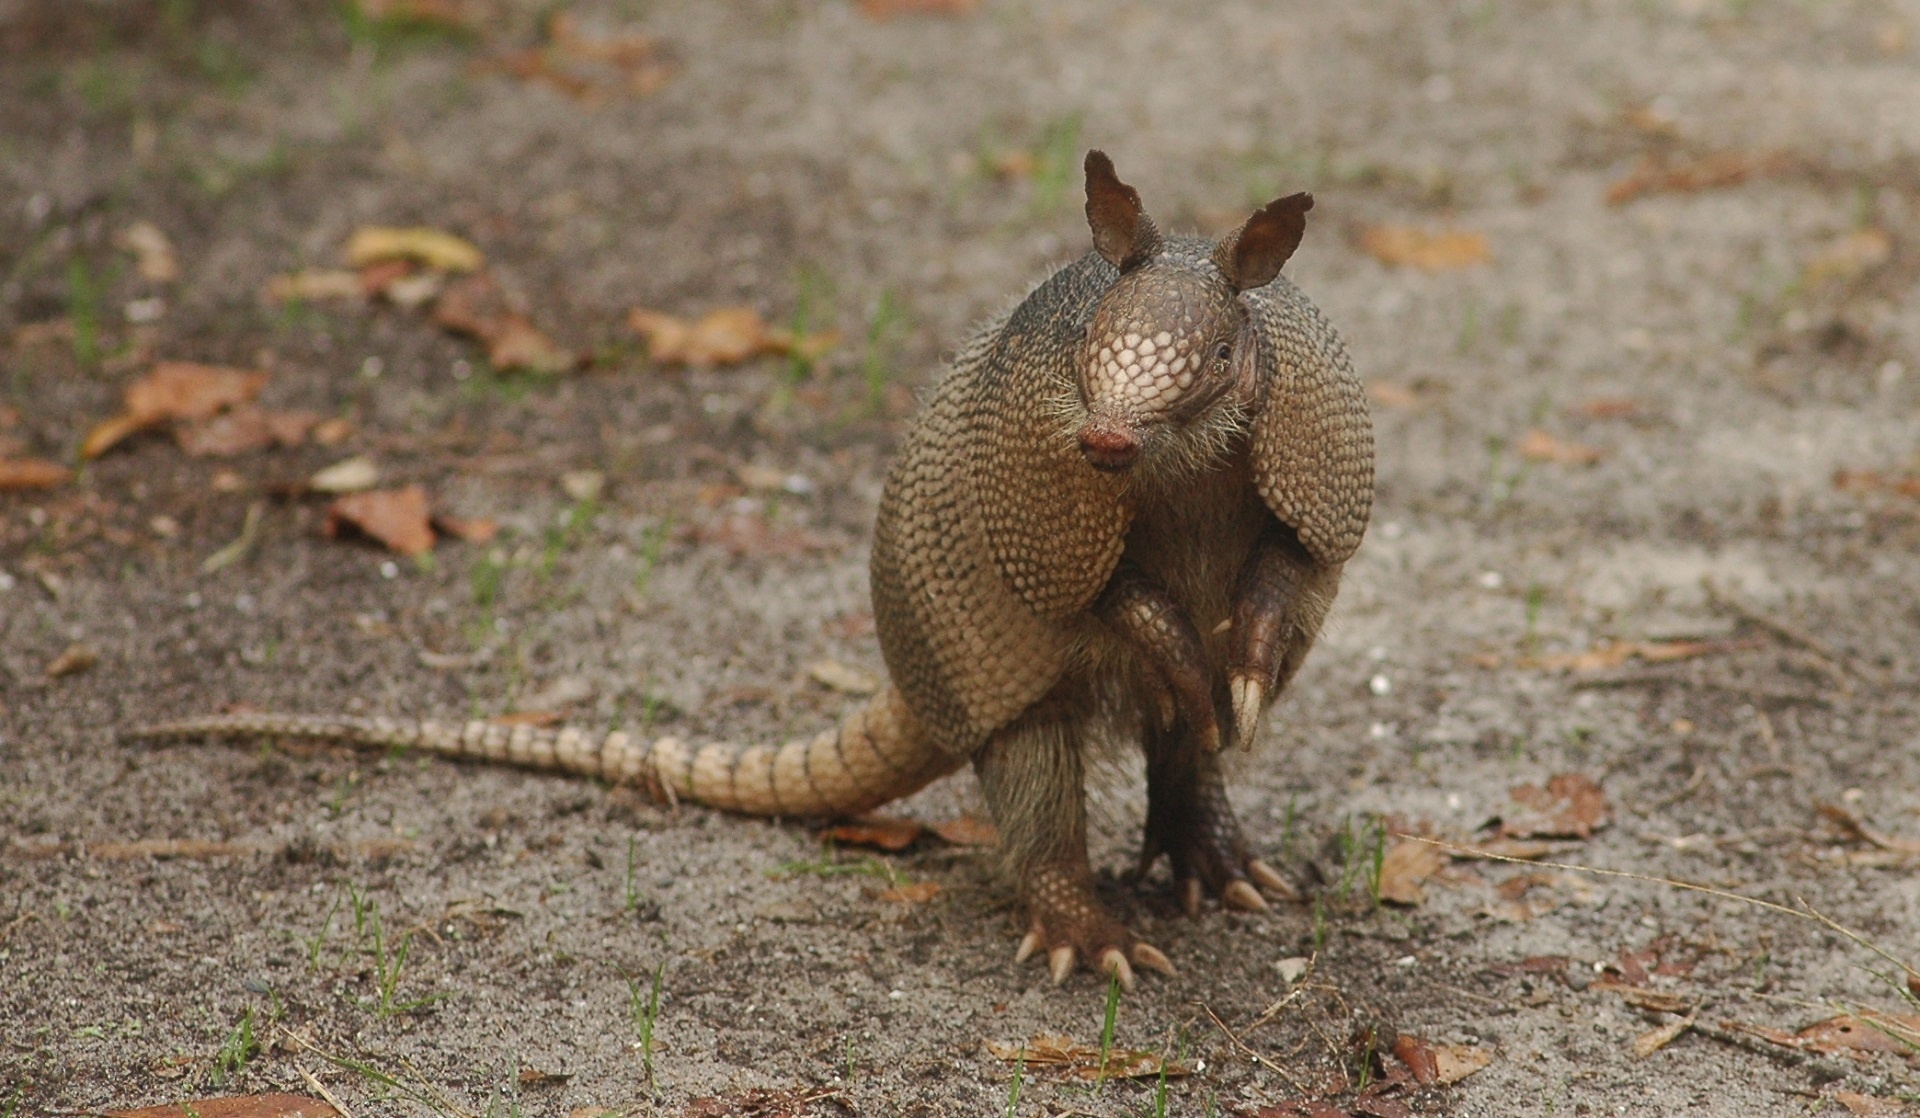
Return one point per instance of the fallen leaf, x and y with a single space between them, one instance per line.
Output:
245 428
844 678
395 517
314 285
1639 997
76 659
1454 1062
1646 1044
1084 1062
153 253
372 244
332 432
589 68
1498 848
882 10
1538 446
1857 829
1867 1031
350 475
517 344
536 718
472 530
794 1102
1408 246
967 830
1653 175
1870 1106
1419 1057
916 892
534 1077
726 336
31 473
1390 395
241 1106
1570 806
1867 481
882 832
1404 869
188 390
1850 256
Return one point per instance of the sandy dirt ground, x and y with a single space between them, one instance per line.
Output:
1674 404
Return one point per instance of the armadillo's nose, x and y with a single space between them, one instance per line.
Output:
1109 446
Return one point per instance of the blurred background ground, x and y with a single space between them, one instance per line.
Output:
1634 285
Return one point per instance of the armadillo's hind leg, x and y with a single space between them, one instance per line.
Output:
1190 821
1031 775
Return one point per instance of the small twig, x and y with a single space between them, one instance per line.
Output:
13 925
324 1093
1786 631
1250 1053
1692 785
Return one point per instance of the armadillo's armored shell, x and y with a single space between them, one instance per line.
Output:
1313 438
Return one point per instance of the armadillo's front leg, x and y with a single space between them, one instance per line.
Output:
1190 821
1031 775
1148 618
1273 627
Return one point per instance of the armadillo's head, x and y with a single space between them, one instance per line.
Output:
1170 346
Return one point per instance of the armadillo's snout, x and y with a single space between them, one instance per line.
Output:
1109 446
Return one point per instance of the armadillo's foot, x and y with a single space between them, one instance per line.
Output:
1069 923
1191 823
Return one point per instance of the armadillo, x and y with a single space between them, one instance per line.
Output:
1121 518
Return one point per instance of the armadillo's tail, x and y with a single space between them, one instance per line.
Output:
877 754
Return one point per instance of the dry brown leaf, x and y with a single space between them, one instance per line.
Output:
1405 868
239 1106
967 830
1502 848
517 344
1390 395
882 10
882 832
915 892
1857 829
314 285
76 659
1864 1032
1721 169
1852 255
1639 997
432 248
1868 481
844 678
244 429
1538 446
1647 1043
1419 1057
31 473
471 529
534 1077
726 336
1454 1062
189 390
1570 806
1871 1106
1407 246
153 253
807 347
1084 1062
395 517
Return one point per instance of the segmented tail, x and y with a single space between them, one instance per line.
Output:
877 754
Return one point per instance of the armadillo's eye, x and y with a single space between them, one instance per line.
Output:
1224 352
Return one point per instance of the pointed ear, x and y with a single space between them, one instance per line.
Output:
1252 255
1122 231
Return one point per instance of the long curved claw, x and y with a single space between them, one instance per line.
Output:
1150 852
1266 877
1029 944
1114 962
1240 895
1151 957
1249 704
1060 963
1190 893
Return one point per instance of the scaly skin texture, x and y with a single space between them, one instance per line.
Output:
1122 517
